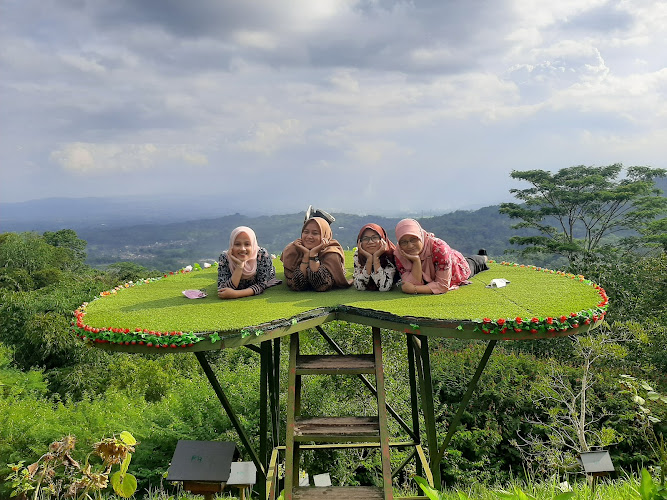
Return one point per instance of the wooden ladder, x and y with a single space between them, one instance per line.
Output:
335 430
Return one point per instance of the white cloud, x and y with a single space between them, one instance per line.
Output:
267 138
109 159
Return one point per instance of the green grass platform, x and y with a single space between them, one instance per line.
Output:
537 303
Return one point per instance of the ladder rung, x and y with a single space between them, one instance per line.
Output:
352 364
338 493
327 429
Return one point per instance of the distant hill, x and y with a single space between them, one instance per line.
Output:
170 246
51 214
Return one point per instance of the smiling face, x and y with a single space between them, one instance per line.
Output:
242 246
311 236
410 244
370 241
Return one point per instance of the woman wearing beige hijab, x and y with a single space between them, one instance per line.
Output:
315 261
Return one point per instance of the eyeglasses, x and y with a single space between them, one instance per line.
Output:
373 239
411 241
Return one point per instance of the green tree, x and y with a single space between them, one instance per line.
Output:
575 209
68 239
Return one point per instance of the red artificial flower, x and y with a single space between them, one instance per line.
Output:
501 321
563 319
518 320
535 320
550 320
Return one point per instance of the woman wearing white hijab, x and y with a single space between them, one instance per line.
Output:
244 269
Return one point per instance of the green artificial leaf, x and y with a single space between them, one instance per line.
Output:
429 490
646 485
124 484
128 438
294 321
258 332
215 337
460 327
414 326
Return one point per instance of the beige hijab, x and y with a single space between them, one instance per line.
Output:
331 256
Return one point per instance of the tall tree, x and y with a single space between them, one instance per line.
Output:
574 209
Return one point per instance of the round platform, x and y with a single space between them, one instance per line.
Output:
150 314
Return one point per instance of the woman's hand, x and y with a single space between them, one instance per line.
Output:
316 250
236 260
412 258
362 251
299 244
227 293
382 249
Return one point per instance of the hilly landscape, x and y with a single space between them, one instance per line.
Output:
172 246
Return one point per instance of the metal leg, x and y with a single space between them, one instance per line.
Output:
422 360
265 368
290 463
472 385
230 413
414 401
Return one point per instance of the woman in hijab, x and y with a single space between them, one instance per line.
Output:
244 269
428 265
374 267
315 261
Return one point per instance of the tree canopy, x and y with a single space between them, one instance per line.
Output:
576 210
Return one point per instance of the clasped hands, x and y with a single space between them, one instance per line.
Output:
313 252
383 248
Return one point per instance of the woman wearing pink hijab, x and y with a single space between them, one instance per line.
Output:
428 265
244 269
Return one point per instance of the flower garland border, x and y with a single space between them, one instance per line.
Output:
546 324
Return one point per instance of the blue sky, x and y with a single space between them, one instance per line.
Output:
353 106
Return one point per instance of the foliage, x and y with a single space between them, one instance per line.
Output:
649 490
575 209
68 239
57 474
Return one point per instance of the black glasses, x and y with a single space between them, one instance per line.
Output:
372 239
411 241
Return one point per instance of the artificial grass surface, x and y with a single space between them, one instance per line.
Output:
161 306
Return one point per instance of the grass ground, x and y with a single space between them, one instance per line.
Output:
160 305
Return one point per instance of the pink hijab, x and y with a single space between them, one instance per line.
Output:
412 228
250 265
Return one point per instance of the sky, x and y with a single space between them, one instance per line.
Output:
371 106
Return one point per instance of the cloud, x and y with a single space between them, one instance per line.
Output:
85 158
267 138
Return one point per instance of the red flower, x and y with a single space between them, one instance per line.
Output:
573 315
563 319
550 320
501 321
518 320
535 320
532 330
487 320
